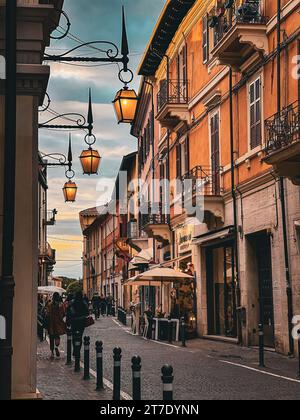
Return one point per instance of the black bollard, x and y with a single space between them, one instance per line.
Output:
86 375
136 378
167 379
117 374
99 355
261 346
299 352
183 332
170 330
77 344
69 347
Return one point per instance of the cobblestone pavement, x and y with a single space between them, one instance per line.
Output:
56 381
204 370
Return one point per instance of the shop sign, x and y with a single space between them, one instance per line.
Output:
185 238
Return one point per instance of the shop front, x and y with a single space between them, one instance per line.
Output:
215 264
184 293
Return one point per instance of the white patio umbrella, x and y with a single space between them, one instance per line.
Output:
157 277
50 290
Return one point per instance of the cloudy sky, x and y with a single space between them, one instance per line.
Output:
92 20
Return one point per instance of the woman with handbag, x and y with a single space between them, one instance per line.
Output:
56 326
78 317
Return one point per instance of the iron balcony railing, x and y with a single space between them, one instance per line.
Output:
173 92
154 219
236 12
204 181
283 129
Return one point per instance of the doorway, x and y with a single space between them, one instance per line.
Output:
221 291
262 245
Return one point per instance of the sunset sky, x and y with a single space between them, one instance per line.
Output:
91 20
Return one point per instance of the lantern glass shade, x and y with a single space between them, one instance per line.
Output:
90 161
70 191
125 105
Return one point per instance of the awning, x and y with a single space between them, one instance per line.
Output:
144 257
210 237
50 290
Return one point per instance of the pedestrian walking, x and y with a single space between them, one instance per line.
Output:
109 302
103 305
56 324
96 305
77 315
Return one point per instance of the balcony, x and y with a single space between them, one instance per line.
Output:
240 31
157 226
205 183
283 143
172 103
47 256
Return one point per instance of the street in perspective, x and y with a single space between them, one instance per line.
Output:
149 203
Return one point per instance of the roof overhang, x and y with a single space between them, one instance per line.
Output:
168 23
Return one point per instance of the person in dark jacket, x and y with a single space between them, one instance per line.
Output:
56 324
96 301
78 311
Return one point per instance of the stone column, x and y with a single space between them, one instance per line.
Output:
35 22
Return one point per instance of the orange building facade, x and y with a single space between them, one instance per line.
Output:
209 116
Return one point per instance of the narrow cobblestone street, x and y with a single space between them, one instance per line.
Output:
204 370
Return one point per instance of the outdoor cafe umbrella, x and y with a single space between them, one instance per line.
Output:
50 290
157 277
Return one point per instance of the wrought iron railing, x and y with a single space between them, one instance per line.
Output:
283 129
236 12
173 92
154 219
204 181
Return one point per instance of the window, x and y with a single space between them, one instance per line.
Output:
205 39
182 74
255 113
182 158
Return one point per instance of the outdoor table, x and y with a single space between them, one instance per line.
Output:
165 320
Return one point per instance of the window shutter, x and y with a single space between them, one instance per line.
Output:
187 154
205 39
178 161
255 114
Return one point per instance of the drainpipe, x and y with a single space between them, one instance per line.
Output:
153 152
235 211
7 283
282 196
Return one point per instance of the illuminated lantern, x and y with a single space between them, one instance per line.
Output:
125 105
90 161
70 191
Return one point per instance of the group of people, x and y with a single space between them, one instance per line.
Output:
57 315
102 305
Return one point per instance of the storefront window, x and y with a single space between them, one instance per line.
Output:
221 292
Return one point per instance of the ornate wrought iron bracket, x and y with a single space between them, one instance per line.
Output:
111 53
61 160
81 123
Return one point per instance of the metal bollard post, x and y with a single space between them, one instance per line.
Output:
170 330
299 351
136 378
167 379
87 342
117 374
69 347
183 332
261 346
99 355
77 344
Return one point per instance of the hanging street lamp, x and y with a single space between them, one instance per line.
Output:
70 188
90 158
126 100
125 105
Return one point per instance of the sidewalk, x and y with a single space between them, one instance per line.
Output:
56 381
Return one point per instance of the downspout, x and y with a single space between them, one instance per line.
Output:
153 155
282 196
235 211
7 283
